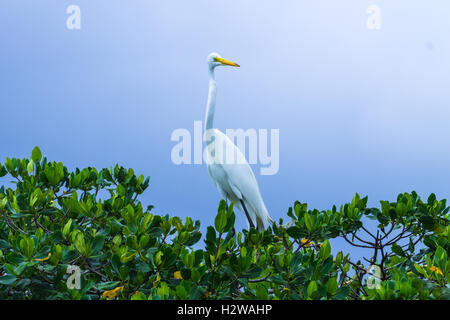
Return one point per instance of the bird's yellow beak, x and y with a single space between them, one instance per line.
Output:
226 62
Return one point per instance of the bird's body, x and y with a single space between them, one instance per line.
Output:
227 165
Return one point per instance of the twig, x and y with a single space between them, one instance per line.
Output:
261 279
354 244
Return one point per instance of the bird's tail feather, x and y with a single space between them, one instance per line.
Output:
260 218
263 219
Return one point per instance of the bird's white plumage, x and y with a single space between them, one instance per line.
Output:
227 165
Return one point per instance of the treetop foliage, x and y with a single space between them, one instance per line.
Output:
59 239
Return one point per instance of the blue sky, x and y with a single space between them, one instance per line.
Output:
358 110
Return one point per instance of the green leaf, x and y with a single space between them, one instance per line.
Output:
261 292
15 258
109 285
230 218
411 246
181 292
325 250
294 232
30 167
342 293
66 228
3 171
220 222
332 285
98 243
7 280
139 296
27 247
419 269
312 289
139 181
439 255
431 199
36 155
127 257
309 221
398 250
253 272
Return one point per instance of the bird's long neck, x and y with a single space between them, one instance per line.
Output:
211 105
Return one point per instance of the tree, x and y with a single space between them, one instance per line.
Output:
55 229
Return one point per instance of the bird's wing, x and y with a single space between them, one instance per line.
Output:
239 176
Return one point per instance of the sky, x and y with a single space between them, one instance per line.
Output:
357 109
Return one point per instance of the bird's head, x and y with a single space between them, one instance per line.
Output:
215 60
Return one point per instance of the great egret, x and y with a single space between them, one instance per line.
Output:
233 177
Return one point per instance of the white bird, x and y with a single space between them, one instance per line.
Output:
226 164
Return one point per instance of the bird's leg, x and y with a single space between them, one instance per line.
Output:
248 216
